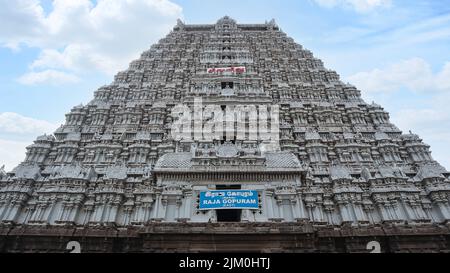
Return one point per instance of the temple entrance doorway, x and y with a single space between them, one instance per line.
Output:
228 215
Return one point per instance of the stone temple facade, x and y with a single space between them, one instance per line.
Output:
114 179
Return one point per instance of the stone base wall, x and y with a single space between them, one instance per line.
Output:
225 237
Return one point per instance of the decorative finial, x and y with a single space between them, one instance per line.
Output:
2 171
271 25
180 24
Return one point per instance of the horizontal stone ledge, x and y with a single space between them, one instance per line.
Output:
184 229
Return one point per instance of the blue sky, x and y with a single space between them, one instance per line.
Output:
55 54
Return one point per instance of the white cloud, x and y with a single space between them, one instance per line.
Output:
430 123
20 21
86 35
13 152
52 77
16 133
414 74
431 29
18 124
433 122
414 78
383 30
443 78
362 6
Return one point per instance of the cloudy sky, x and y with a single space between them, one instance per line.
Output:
55 54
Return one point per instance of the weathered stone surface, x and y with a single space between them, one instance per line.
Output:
339 173
239 238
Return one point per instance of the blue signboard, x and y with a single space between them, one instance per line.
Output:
229 199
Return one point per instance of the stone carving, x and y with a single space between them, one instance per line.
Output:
227 150
118 171
338 172
338 161
27 171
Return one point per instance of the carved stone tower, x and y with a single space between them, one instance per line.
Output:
336 175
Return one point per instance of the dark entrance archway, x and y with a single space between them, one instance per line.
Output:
228 215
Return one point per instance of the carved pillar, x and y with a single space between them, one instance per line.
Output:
113 208
28 213
60 217
35 212
99 211
187 205
38 213
279 204
4 210
245 215
50 209
345 210
146 207
88 211
397 212
72 212
3 207
178 209
137 212
160 208
294 207
359 212
418 211
268 201
409 211
318 210
300 208
155 208
444 208
13 212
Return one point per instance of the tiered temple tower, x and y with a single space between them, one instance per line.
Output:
337 176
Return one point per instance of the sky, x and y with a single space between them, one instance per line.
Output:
55 53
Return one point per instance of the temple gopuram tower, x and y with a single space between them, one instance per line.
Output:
120 176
